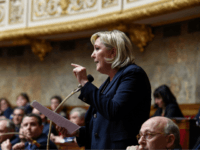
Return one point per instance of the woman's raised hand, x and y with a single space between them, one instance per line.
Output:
80 73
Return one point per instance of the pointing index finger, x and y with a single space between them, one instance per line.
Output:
75 65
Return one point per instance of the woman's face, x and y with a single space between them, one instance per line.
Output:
21 101
54 103
4 105
159 102
99 54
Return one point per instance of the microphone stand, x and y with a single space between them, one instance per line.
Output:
50 126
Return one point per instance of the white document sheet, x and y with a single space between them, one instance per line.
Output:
56 118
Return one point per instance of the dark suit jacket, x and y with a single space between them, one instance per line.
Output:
171 111
28 109
42 140
46 129
8 112
197 118
116 113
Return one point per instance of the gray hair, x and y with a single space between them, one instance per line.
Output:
81 112
10 125
118 40
172 128
20 108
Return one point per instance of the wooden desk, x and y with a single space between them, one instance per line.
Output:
68 146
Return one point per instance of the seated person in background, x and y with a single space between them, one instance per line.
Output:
197 117
166 102
7 126
23 101
158 133
197 144
55 101
45 123
18 115
32 128
77 116
5 108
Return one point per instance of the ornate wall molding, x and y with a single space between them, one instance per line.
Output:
2 11
49 9
16 11
109 3
154 9
40 48
140 35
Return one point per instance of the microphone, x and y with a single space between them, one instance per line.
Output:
90 79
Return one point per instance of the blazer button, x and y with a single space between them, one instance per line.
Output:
95 115
96 135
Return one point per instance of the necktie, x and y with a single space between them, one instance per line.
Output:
29 146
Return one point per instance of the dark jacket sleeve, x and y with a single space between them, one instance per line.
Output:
82 137
8 112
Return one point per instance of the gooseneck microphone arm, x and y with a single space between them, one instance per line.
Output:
31 140
90 79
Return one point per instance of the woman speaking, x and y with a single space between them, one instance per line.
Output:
122 103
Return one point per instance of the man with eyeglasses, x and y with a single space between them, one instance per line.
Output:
18 115
158 133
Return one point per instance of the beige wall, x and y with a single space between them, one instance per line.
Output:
173 61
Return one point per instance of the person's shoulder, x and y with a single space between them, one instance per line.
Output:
133 67
172 105
42 138
15 140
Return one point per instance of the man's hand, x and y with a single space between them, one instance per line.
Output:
134 147
17 146
6 145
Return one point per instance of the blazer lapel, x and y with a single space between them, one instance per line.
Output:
117 75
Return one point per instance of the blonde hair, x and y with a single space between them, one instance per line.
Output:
118 40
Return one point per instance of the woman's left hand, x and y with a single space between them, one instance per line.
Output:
80 73
65 133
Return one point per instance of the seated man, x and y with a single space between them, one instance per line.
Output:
45 123
77 116
32 129
158 133
18 115
7 126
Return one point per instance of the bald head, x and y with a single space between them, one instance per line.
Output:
156 124
162 133
5 127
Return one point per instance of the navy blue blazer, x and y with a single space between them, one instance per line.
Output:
46 129
8 112
28 109
42 140
171 111
117 110
197 118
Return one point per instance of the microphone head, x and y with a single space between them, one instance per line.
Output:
90 78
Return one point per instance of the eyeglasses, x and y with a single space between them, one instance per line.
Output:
147 136
18 115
